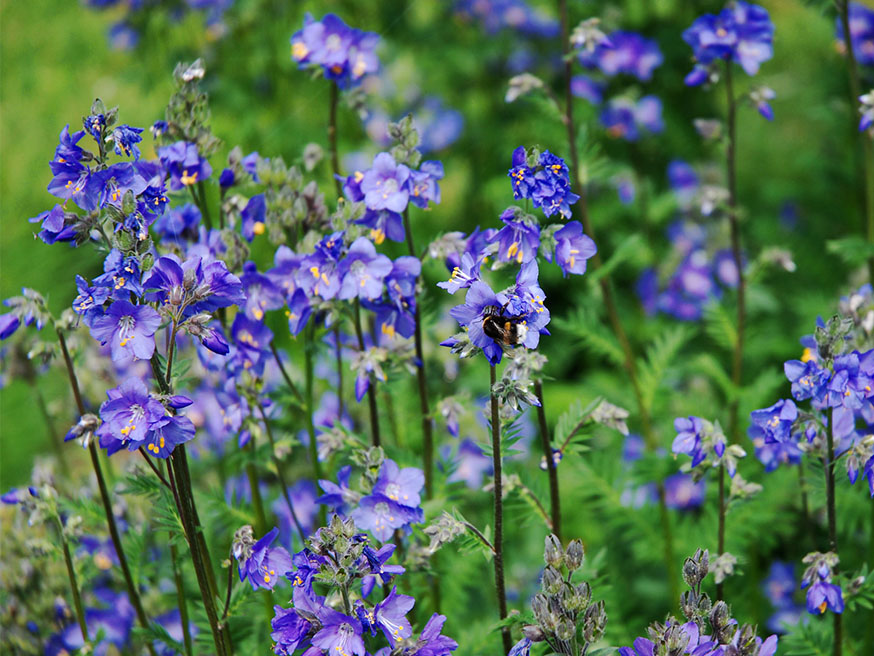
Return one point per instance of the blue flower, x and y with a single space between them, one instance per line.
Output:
585 87
386 185
363 271
126 139
809 380
264 566
552 191
178 223
252 340
572 249
470 465
627 120
338 496
184 164
128 329
290 631
742 33
340 634
521 648
822 596
518 240
130 412
345 54
423 184
390 616
400 485
431 642
689 438
261 295
624 52
253 216
54 226
479 302
382 516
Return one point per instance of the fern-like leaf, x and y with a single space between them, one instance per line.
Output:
659 357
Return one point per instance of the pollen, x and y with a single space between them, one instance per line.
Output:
258 228
188 179
299 50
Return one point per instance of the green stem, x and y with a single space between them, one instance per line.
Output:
837 645
74 585
132 591
422 378
180 599
338 357
285 376
867 145
203 205
629 361
721 530
546 445
500 589
308 348
371 388
257 501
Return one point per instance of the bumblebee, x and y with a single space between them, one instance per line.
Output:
506 330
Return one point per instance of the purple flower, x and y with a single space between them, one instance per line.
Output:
809 380
90 299
624 52
299 311
585 87
340 634
822 596
521 174
318 274
471 464
627 120
400 485
552 186
179 222
345 54
253 217
260 293
264 565
573 249
479 303
303 499
166 433
252 339
9 323
129 330
130 412
386 185
363 271
463 275
184 164
382 516
518 240
126 139
742 33
774 423
431 642
337 495
423 184
54 227
689 438
521 648
290 631
683 493
390 616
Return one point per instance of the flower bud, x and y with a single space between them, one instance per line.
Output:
552 551
533 633
573 558
552 580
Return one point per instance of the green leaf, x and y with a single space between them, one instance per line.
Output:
157 632
659 357
573 420
632 244
853 250
594 336
719 324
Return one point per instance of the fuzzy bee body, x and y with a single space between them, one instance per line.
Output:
506 330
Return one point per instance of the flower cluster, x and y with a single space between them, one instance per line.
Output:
726 634
564 612
705 443
392 501
544 180
343 53
832 381
626 119
340 559
742 32
264 566
822 594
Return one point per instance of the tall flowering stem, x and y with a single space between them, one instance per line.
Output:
867 145
499 512
731 173
421 377
332 137
554 497
610 302
309 345
132 591
183 494
837 646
